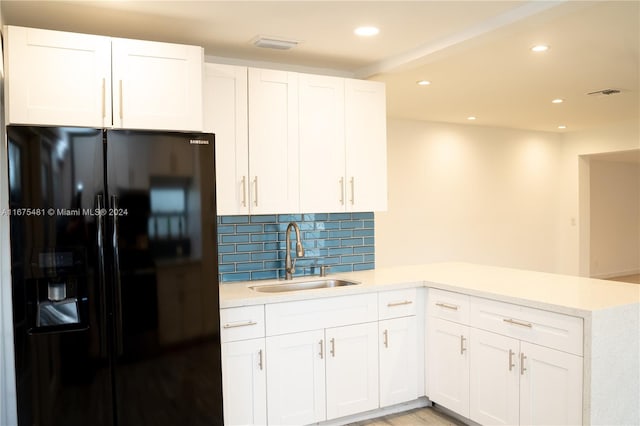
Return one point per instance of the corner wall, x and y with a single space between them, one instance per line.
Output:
573 204
614 218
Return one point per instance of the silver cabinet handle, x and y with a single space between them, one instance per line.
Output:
244 191
514 322
260 364
240 324
511 364
447 306
333 347
522 368
342 191
386 338
462 348
353 190
321 349
392 304
255 187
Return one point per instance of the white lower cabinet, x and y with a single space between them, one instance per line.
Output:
550 386
484 365
296 383
244 369
398 351
449 365
495 380
352 369
244 382
514 382
322 374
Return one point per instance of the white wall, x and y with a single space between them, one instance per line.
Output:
489 195
614 218
572 255
469 193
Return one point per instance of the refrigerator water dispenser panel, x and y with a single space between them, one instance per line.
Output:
57 292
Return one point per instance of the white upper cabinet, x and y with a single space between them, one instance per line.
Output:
366 145
289 143
322 151
343 145
273 141
225 106
67 79
157 85
57 78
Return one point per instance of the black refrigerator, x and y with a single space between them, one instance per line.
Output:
114 277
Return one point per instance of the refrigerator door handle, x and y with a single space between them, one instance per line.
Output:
102 276
116 275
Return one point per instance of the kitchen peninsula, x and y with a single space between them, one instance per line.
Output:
594 323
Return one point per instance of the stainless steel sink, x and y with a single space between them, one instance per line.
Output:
302 285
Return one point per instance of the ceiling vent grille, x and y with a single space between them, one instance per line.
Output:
605 92
274 43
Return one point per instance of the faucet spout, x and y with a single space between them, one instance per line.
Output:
289 265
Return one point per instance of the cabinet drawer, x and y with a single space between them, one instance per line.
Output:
291 317
397 303
449 305
550 329
245 322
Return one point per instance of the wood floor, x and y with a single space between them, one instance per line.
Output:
417 417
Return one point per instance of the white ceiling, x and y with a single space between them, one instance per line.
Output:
476 53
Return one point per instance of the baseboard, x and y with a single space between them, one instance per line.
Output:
368 415
605 275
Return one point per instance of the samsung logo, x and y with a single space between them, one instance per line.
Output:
199 142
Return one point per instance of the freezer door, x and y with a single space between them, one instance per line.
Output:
162 231
61 337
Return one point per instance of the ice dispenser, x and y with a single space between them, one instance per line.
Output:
58 292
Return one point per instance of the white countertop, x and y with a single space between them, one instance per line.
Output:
558 293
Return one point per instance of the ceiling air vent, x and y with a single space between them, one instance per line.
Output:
274 43
604 92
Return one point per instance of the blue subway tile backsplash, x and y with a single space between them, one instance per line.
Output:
253 247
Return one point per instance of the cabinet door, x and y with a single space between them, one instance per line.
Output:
449 365
366 145
157 85
273 141
398 360
244 382
322 155
352 369
494 378
296 382
550 386
225 114
58 78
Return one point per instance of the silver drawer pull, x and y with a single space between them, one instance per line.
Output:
392 304
447 306
240 324
514 322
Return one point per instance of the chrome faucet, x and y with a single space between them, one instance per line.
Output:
290 266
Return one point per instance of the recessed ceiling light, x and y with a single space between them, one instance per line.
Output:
423 82
366 31
557 101
540 48
471 118
562 126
